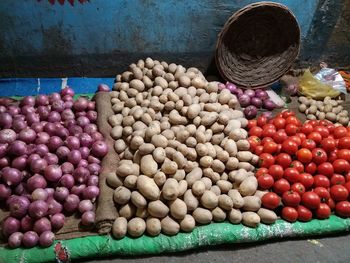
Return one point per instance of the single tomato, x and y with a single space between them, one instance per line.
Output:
328 144
315 136
344 143
331 203
276 171
284 160
319 156
270 200
298 188
270 147
321 180
304 214
313 123
292 175
280 136
322 193
311 200
297 165
291 129
291 198
341 166
340 132
333 155
266 160
257 131
344 154
323 211
306 179
307 128
287 113
308 144
337 179
259 150
261 171
304 155
279 123
289 147
265 181
343 209
293 120
326 169
261 121
339 193
289 214
251 124
347 186
270 132
254 141
266 140
302 136
311 168
347 176
281 186
322 130
295 139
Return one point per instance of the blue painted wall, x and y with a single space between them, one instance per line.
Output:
95 37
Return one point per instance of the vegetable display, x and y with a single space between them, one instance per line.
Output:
50 151
305 166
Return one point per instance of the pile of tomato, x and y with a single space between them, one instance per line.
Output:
305 166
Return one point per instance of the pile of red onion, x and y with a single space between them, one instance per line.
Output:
251 100
50 151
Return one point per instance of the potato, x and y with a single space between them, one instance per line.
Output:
244 156
195 175
148 165
235 216
190 200
179 175
141 212
169 226
248 186
159 140
159 154
180 159
238 176
251 203
224 186
198 188
219 215
178 209
250 219
147 187
130 181
202 216
267 216
128 211
236 197
136 227
113 180
225 202
231 147
127 167
158 209
209 199
187 224
121 195
260 194
153 226
216 190
218 166
170 189
159 178
207 182
138 200
238 134
119 228
169 167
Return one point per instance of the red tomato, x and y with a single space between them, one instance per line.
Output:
337 179
333 155
289 147
265 181
315 136
291 198
269 126
251 124
306 179
321 180
331 203
279 148
328 144
307 128
265 140
254 141
323 211
344 143
276 171
297 165
270 147
347 186
259 150
331 127
308 144
319 156
281 186
344 154
324 123
343 209
326 169
280 136
293 120
311 168
340 132
287 113
284 160
322 130
270 200
322 193
304 155
311 200
298 188
261 121
261 171
295 139
312 122
291 129
347 177
266 160
302 136
257 131
291 174
339 193
341 166
289 214
279 123
304 214
270 132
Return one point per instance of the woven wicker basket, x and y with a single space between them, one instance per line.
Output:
258 44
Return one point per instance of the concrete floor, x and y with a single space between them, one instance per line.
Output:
333 249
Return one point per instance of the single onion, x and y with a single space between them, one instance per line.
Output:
78 189
53 173
85 205
18 206
68 104
261 94
51 158
269 104
36 181
50 128
5 192
38 209
91 105
257 102
37 127
17 148
32 118
267 114
21 189
80 104
18 125
94 168
13 110
97 136
57 221
92 159
15 240
30 239
42 100
250 112
231 87
39 194
41 225
81 174
58 106
82 121
90 128
85 140
103 87
67 180
10 226
84 151
4 161
38 165
20 162
80 114
3 149
83 163
11 176
92 180
61 193
88 218
71 203
27 109
74 157
42 149
99 149
43 112
75 130
61 131
28 100
46 239
67 114
91 192
54 116
2 109
50 191
54 97
72 142
7 136
67 168
91 115
62 152
54 143
42 138
249 92
67 91
32 157
67 98
54 206
244 100
27 223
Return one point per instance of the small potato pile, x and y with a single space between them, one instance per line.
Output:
328 109
184 155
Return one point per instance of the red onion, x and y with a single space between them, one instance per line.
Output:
92 159
249 92
2 109
10 226
67 114
80 104
53 173
13 110
41 225
82 121
91 115
38 209
269 104
7 136
84 151
58 106
50 128
267 114
5 192
71 203
74 157
17 148
67 168
51 158
61 193
18 125
28 100
83 163
61 131
30 239
37 127
78 189
3 149
4 161
21 189
91 105
42 149
54 116
32 118
85 205
42 100
231 87
67 98
39 194
27 109
99 148
54 143
103 87
81 174
80 114
90 128
244 100
238 92
11 176
46 239
68 104
85 140
15 240
42 138
72 142
250 112
36 181
88 218
221 86
67 91
38 165
32 157
62 152
43 112
31 148
255 101
57 221
75 130
91 192
19 163
50 191
54 97
67 180
54 206
261 94
27 223
19 206
94 168
92 180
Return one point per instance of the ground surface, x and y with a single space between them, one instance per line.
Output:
333 249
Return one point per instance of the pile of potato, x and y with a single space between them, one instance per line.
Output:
328 109
184 155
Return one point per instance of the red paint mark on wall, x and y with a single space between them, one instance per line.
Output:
61 2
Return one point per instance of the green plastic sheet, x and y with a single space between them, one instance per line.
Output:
213 234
